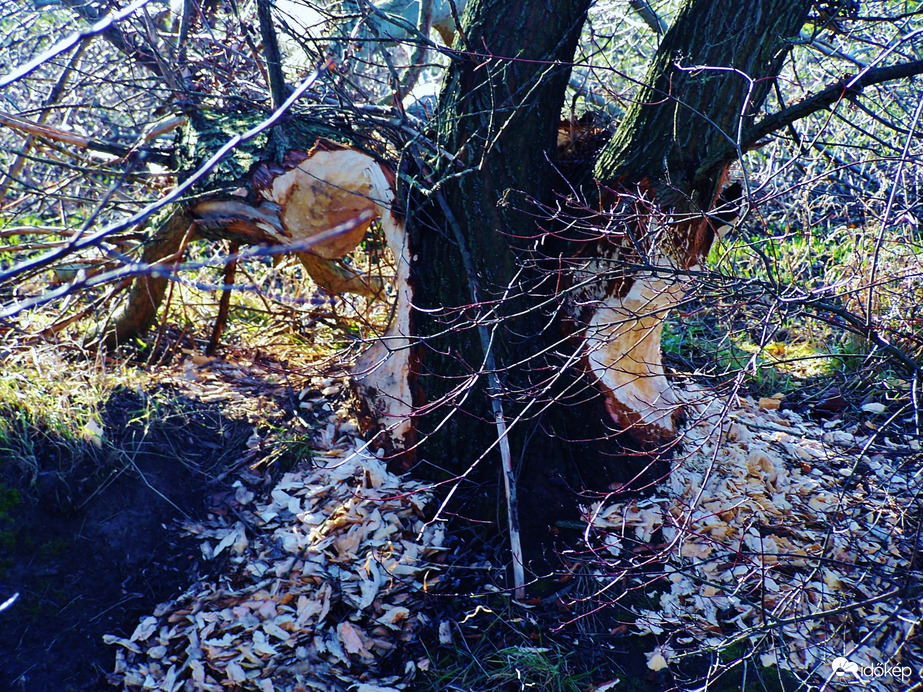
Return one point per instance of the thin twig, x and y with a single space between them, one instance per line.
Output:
496 402
224 304
848 87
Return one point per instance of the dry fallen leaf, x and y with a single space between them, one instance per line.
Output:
350 638
746 516
656 660
318 545
874 407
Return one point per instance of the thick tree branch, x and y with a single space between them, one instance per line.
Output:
683 114
424 24
185 23
848 87
644 10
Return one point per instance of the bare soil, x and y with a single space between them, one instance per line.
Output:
92 550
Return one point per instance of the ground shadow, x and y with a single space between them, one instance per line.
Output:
91 550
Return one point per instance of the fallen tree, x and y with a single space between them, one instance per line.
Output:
319 201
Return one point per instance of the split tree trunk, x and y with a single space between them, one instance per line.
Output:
710 76
572 325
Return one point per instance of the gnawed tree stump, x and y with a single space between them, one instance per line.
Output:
699 94
464 254
252 202
637 269
321 200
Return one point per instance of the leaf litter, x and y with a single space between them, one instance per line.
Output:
774 532
325 579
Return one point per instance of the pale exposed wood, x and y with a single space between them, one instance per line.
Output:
322 208
382 374
623 341
325 190
336 278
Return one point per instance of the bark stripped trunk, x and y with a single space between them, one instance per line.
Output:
711 74
319 201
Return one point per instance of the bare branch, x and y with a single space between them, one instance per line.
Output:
74 39
114 34
846 88
95 239
51 99
644 10
277 86
55 135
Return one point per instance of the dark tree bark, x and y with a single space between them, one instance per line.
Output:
480 258
498 116
665 167
710 76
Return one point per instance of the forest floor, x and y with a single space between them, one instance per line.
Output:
232 496
90 534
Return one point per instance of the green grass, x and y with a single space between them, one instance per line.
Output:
49 410
739 326
721 352
543 669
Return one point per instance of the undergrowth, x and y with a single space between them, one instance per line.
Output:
483 669
751 322
50 412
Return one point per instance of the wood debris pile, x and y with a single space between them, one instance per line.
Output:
789 539
325 581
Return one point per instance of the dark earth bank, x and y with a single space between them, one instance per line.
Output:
91 543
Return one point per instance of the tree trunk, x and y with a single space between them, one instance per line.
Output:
498 117
710 76
511 319
148 290
571 383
